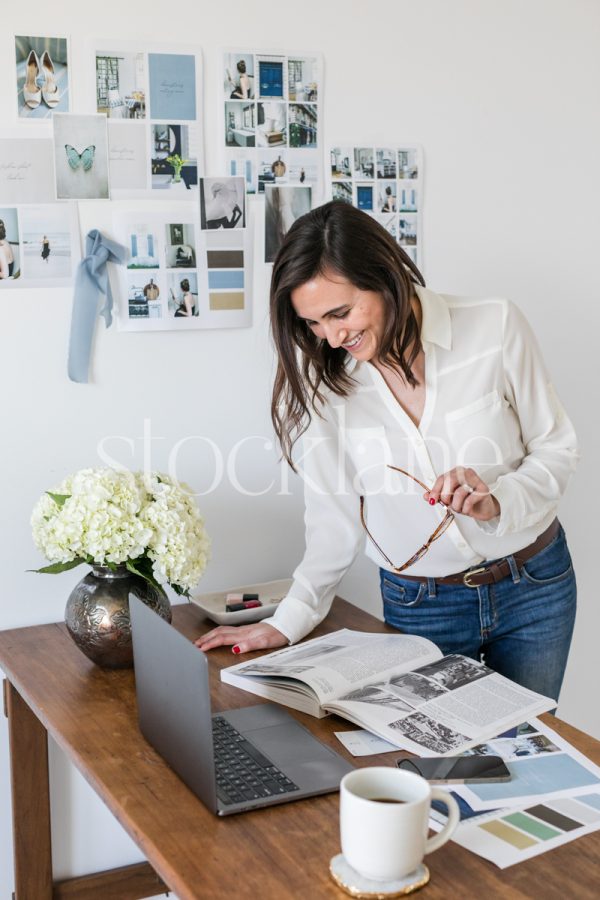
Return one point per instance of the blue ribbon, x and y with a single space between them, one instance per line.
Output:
91 281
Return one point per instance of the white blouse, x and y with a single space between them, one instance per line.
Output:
489 405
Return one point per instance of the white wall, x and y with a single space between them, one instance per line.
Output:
503 97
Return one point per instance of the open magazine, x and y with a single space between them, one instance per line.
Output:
400 687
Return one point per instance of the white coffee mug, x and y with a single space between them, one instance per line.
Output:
384 816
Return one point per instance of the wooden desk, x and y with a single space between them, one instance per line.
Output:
277 853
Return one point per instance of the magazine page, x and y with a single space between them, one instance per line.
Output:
335 663
441 708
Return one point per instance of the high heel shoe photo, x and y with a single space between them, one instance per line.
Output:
50 91
32 94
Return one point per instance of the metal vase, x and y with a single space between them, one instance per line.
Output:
97 614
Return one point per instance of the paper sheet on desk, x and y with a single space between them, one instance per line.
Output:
363 743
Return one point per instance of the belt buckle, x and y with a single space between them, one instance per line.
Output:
468 575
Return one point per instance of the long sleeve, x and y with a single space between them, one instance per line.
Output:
527 494
332 526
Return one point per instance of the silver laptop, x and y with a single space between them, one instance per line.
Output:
233 761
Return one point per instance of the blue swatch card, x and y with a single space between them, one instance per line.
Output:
172 86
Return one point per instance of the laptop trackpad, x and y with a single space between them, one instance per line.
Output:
302 757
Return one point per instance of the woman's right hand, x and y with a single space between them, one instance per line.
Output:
244 638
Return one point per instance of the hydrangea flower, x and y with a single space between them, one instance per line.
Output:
110 517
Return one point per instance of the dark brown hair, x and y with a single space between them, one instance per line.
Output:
2 230
337 238
184 285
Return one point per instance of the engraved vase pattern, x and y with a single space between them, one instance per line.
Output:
97 614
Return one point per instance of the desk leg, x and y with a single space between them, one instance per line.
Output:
30 799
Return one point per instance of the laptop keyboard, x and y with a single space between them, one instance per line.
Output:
243 772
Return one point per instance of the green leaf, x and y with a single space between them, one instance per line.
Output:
182 592
142 567
58 567
59 499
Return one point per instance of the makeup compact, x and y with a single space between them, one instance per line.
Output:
245 604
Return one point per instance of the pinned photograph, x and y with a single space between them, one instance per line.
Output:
342 190
46 241
303 168
364 166
10 250
271 124
407 230
364 197
408 163
340 163
143 250
238 83
222 203
173 165
172 78
386 196
42 70
272 80
303 125
182 295
272 168
180 246
390 222
386 163
303 79
121 84
243 165
80 157
240 124
407 199
283 205
143 298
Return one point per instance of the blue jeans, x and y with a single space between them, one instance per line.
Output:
520 626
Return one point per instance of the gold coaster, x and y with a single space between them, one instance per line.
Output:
349 880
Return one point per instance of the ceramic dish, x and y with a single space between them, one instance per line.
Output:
269 592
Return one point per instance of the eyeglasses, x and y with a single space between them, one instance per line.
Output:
439 531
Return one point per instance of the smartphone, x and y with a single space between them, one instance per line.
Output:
458 769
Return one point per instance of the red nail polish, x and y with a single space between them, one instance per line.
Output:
236 649
431 501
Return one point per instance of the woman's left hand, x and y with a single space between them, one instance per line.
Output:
464 492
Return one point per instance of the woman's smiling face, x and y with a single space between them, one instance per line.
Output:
341 314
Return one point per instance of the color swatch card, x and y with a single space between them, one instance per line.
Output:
387 183
509 837
151 96
271 108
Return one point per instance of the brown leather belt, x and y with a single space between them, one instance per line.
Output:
498 570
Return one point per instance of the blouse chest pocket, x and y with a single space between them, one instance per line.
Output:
370 453
485 433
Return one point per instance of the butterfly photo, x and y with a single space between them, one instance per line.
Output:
81 156
85 159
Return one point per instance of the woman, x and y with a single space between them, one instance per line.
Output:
222 208
7 259
45 248
243 89
186 304
400 383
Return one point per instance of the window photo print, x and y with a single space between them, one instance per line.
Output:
121 84
222 203
81 157
174 164
10 245
143 248
42 76
182 300
283 205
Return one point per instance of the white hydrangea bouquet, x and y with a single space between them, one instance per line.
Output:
112 517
